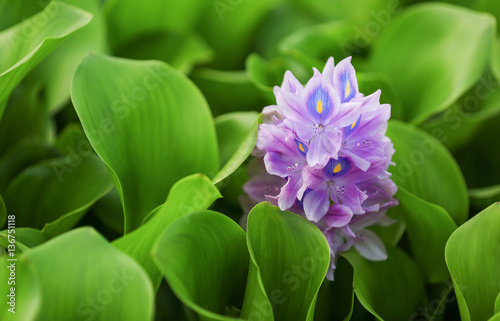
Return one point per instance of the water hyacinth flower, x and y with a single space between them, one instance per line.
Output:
324 155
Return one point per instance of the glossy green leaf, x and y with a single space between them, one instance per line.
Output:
390 289
497 304
320 41
371 82
69 186
496 317
438 297
473 257
27 292
12 13
180 50
336 299
190 194
127 106
25 117
225 90
427 170
495 59
228 25
22 155
56 71
289 259
478 159
72 140
450 48
458 125
265 74
203 257
25 238
109 211
361 12
237 134
30 41
429 226
93 279
483 197
129 19
3 212
392 233
286 20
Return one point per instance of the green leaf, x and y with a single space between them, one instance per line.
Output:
30 41
84 275
286 20
429 226
393 233
109 211
427 170
12 13
459 42
378 12
25 117
27 291
496 317
458 125
72 141
495 59
68 186
475 158
229 25
179 50
190 194
25 238
56 71
390 289
335 299
3 212
497 304
127 106
371 82
22 155
289 260
202 256
237 134
129 19
266 74
483 197
319 41
226 89
473 257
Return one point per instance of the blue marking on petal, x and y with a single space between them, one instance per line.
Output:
347 91
302 148
319 103
348 130
337 167
300 203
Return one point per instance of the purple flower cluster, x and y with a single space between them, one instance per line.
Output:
326 157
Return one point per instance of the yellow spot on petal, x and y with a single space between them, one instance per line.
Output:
353 124
337 168
347 89
301 148
319 106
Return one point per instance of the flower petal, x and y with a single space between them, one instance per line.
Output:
282 165
344 80
370 246
288 193
316 204
317 155
338 216
328 71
